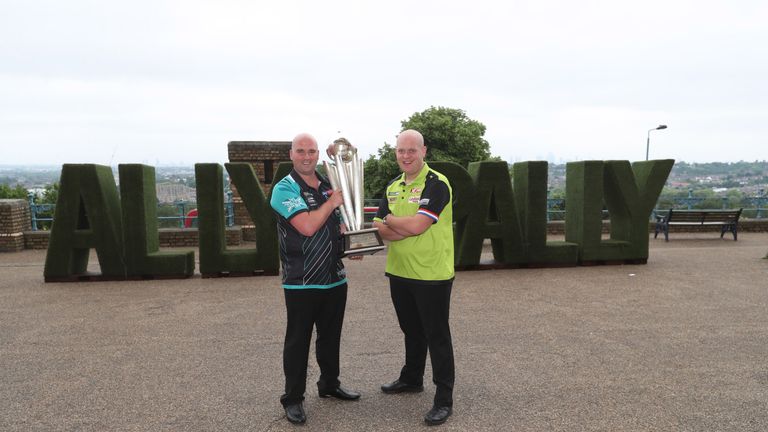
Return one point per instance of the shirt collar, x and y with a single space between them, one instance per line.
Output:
297 177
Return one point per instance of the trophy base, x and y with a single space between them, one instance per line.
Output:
362 242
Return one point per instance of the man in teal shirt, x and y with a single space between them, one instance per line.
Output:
416 216
314 279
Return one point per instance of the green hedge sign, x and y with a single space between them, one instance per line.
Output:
511 212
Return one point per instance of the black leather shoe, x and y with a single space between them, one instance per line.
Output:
438 415
340 393
295 413
400 387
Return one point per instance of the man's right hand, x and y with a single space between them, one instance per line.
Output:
330 151
336 198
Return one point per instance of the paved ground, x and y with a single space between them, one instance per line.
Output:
678 344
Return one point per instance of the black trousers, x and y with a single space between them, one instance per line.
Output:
307 308
423 312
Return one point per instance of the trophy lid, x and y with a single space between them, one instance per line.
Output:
344 149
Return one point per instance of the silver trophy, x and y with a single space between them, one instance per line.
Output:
346 174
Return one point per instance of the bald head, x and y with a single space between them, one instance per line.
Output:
412 137
303 138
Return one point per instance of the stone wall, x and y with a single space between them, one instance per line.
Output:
169 237
264 157
188 237
752 225
178 237
15 234
36 239
745 225
14 220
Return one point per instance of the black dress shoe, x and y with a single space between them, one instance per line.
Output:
400 387
295 413
339 393
438 415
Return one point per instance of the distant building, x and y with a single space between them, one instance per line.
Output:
36 191
171 192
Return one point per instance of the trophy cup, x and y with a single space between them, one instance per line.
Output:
346 174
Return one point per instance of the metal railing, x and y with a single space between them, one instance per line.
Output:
42 214
556 208
754 207
39 212
759 201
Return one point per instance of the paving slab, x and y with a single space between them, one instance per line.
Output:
678 344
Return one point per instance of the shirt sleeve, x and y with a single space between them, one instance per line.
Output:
287 201
434 198
383 209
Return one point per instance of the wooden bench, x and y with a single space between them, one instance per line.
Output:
727 220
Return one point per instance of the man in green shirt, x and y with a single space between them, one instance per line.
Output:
416 216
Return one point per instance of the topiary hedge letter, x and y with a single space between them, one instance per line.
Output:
87 216
140 237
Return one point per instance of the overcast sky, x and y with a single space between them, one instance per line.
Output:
172 82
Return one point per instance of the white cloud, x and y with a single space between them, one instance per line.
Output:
174 81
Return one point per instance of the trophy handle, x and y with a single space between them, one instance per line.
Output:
333 178
345 193
359 192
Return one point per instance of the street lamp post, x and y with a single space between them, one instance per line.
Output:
648 139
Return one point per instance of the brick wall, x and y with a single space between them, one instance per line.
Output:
36 239
745 225
14 220
169 237
264 157
188 237
177 237
15 234
752 225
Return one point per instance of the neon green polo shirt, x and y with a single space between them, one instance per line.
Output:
429 255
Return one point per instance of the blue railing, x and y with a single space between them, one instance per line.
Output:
41 213
555 208
690 202
759 201
182 215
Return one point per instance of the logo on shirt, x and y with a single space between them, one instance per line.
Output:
416 190
292 203
392 200
424 201
413 199
393 193
310 199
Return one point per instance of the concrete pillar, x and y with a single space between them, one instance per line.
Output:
14 220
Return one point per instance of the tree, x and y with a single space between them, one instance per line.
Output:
13 192
50 195
449 136
379 171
